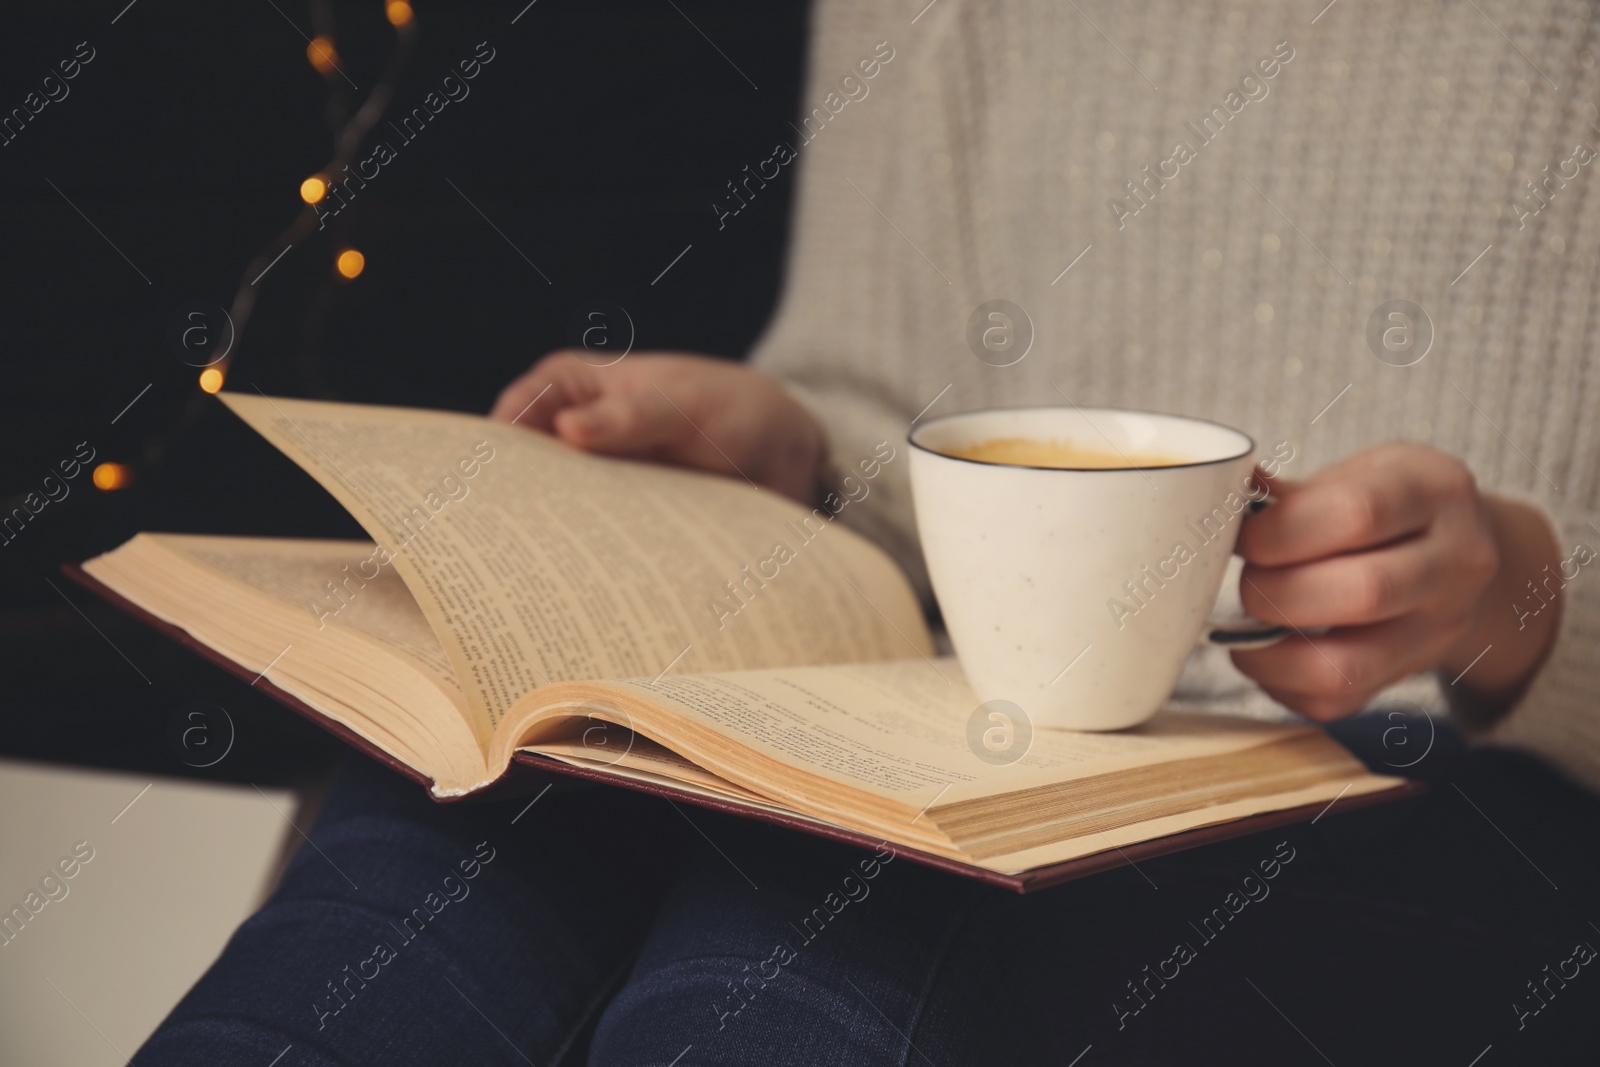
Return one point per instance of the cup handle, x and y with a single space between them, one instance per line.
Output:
1240 630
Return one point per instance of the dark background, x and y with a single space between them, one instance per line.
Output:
596 141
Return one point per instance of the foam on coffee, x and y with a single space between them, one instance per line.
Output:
1057 454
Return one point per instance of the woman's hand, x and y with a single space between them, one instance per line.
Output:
692 411
1411 567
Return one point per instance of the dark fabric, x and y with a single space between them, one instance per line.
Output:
615 929
546 926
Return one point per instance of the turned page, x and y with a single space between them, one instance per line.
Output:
911 731
536 563
304 575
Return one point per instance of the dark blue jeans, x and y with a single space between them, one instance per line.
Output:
598 926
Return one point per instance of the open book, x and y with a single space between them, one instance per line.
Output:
523 602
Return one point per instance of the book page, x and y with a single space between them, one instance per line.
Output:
652 762
375 669
905 730
324 579
535 562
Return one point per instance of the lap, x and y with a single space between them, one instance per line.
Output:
773 948
1403 933
1395 934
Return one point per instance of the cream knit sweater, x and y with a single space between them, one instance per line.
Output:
1387 156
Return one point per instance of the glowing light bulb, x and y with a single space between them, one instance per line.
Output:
110 476
322 54
351 263
399 12
313 189
211 380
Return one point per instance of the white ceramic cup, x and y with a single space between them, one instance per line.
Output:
1077 594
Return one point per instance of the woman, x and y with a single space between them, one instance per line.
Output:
1204 208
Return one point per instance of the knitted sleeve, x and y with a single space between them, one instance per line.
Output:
1558 717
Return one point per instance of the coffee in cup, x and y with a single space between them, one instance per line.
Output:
1057 454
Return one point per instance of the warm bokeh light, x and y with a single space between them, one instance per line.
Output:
111 476
399 12
351 262
313 189
211 380
322 54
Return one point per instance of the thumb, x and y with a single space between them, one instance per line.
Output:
623 423
1262 485
1263 524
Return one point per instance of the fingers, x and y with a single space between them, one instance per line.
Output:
616 410
634 422
1354 505
1366 587
558 381
1335 674
673 407
1391 548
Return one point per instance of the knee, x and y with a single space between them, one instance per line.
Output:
741 1009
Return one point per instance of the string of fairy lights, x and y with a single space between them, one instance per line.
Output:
323 54
350 125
